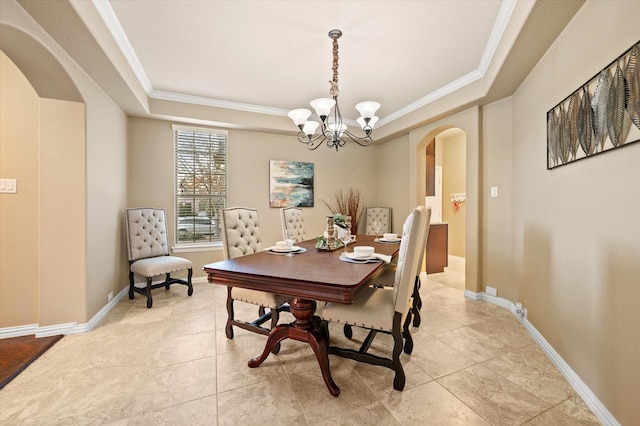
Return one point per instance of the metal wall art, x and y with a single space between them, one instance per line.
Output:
290 184
601 115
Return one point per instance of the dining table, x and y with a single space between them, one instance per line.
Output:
309 277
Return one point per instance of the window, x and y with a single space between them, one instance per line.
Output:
201 183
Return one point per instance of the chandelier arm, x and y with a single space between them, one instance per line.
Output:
360 140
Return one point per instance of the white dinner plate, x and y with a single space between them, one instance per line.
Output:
353 256
277 250
385 240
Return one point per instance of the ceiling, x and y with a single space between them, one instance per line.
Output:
268 57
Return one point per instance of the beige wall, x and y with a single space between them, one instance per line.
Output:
576 229
43 225
62 239
151 156
79 155
454 178
497 217
392 175
19 213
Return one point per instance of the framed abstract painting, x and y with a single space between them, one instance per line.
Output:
290 184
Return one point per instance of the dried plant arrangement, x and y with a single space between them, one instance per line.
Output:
349 203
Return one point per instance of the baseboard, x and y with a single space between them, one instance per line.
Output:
581 388
72 327
20 330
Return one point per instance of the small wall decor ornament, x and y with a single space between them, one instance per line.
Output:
602 115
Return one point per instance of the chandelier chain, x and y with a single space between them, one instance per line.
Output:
334 83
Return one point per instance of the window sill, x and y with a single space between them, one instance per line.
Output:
186 248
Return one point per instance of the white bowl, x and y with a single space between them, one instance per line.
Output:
363 251
390 236
282 245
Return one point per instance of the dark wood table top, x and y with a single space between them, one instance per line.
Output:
316 275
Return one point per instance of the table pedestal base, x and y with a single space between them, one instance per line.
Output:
306 328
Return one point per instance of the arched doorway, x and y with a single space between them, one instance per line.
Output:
43 139
468 121
445 193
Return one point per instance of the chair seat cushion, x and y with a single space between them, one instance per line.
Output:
153 266
373 308
256 297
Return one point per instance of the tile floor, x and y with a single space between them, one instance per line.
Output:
472 364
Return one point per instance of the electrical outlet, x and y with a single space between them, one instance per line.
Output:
109 297
491 291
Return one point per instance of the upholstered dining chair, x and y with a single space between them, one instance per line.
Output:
148 250
384 309
388 277
291 219
377 214
241 236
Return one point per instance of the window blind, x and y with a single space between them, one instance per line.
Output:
200 183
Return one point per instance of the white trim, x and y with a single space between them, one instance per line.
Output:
71 327
195 129
218 103
186 248
110 19
17 331
581 388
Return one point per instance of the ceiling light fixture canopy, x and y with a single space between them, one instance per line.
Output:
333 131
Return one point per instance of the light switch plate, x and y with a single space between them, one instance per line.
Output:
494 192
8 186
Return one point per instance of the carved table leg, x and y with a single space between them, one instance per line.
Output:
306 328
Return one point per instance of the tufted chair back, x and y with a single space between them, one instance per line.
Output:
411 249
146 233
240 232
378 214
291 218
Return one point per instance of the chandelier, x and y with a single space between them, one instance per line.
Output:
333 131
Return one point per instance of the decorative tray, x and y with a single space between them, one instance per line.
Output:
323 245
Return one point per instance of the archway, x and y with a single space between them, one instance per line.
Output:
468 121
43 120
445 194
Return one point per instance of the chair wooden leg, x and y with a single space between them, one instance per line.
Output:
275 316
167 286
228 329
399 379
189 284
417 303
149 300
366 344
406 333
348 331
130 285
324 329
